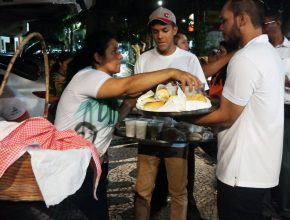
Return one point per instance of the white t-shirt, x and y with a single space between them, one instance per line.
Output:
250 151
152 60
11 107
79 109
284 52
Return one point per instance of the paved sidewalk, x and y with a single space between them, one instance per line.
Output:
122 176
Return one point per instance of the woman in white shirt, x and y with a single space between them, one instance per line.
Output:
88 104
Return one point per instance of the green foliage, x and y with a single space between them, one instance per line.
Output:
55 28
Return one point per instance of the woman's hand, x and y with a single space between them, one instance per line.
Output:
186 79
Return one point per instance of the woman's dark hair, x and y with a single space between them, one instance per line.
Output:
254 8
96 42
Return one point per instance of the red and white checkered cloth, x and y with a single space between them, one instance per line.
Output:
39 131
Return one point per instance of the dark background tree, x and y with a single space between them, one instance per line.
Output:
128 18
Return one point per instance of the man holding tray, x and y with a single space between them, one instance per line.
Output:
162 23
250 115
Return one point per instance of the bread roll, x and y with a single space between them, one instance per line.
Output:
162 94
149 99
196 97
153 106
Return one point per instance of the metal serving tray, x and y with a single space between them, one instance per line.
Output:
214 102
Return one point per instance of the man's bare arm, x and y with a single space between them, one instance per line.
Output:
212 68
224 116
126 107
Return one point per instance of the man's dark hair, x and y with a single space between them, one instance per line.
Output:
274 14
254 8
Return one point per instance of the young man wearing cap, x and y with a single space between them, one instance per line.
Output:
162 23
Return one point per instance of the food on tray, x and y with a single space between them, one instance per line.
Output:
153 106
163 101
162 94
196 97
150 99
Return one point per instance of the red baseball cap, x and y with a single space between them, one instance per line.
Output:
162 14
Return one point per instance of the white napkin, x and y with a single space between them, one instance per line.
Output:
59 174
177 103
141 100
6 127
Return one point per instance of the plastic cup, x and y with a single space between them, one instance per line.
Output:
155 129
130 128
195 90
141 129
189 93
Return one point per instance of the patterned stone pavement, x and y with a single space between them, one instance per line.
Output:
122 176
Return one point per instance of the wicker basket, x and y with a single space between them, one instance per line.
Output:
18 182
